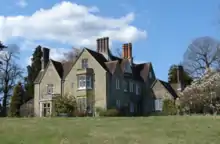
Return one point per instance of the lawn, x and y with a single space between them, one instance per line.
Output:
146 130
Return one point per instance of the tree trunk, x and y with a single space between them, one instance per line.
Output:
4 105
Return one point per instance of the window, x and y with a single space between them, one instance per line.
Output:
158 104
50 89
125 83
138 90
82 104
131 107
118 103
117 84
84 63
131 86
84 82
150 74
46 109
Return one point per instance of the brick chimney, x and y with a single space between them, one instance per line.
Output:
103 45
45 58
180 78
127 52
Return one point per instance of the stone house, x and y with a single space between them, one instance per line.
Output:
100 79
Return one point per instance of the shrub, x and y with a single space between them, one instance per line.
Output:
169 107
66 104
109 113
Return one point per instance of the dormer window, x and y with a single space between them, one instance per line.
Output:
84 63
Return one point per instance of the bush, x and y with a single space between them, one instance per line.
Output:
169 107
109 113
66 104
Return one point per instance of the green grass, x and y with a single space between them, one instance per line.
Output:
146 130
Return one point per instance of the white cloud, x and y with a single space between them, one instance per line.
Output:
70 23
22 3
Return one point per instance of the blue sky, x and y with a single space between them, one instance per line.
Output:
159 30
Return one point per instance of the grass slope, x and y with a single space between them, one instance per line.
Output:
148 130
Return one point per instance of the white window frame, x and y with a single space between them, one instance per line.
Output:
82 104
84 82
125 85
138 91
50 88
118 103
117 84
131 86
84 63
158 104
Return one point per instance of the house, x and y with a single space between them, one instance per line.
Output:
100 79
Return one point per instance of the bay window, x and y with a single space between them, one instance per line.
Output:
84 82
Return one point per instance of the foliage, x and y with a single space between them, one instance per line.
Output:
169 107
16 100
33 71
65 104
109 113
172 76
203 96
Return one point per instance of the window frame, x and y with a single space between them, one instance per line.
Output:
117 86
125 85
118 103
84 82
84 63
138 89
50 88
131 86
82 104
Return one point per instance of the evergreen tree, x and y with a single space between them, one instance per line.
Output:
33 71
172 76
16 100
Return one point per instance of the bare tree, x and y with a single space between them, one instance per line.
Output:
72 55
201 55
118 52
10 73
2 46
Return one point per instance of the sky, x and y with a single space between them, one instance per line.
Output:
160 31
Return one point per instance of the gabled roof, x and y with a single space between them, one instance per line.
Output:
61 68
168 87
140 71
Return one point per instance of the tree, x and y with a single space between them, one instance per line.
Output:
202 55
203 95
172 76
10 74
2 46
33 71
16 100
72 56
